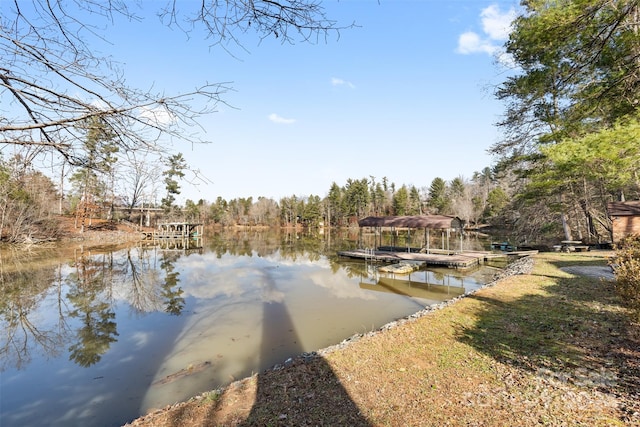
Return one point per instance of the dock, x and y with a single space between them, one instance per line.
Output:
175 230
176 236
461 260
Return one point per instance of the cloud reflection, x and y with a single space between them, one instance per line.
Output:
209 276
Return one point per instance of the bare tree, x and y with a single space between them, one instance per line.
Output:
142 173
264 211
26 198
52 81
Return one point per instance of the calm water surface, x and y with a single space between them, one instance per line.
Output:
100 336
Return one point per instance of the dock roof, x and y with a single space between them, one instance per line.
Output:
440 222
624 208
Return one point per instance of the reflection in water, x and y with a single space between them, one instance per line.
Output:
22 289
427 291
185 245
171 291
68 342
88 293
98 330
434 285
101 336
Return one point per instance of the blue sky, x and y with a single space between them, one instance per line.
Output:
407 95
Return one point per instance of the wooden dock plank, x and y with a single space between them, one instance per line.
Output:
460 260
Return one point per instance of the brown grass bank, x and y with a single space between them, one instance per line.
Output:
552 347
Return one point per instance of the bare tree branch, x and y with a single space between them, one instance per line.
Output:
52 82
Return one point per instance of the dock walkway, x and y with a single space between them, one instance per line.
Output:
465 259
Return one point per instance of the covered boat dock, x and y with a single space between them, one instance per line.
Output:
181 236
447 226
450 252
175 230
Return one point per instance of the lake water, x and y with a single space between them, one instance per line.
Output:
100 336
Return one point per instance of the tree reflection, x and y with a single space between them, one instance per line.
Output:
32 282
89 297
171 290
38 287
96 334
288 243
22 290
143 277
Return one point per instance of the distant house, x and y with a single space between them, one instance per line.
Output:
625 219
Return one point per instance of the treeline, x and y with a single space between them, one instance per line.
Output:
30 202
479 199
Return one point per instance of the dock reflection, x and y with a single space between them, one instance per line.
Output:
186 245
428 285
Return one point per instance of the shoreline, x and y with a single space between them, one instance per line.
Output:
522 265
550 345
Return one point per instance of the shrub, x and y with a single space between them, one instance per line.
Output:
626 265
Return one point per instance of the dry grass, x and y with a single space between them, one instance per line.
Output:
547 348
97 232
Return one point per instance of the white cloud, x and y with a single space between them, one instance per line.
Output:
471 42
277 119
496 26
156 116
335 81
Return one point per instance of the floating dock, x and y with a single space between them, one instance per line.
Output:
466 259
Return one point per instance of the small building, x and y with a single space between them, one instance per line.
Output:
625 219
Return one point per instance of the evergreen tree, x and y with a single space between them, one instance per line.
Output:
94 179
176 165
312 213
578 75
401 201
438 199
415 201
333 205
356 197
